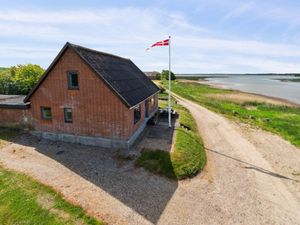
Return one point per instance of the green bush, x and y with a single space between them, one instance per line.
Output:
165 75
157 76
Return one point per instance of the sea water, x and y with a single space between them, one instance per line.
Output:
269 85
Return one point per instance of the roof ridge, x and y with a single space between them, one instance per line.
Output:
97 51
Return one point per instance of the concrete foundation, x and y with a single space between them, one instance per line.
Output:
94 141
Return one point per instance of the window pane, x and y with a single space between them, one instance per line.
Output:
46 113
137 113
73 80
68 115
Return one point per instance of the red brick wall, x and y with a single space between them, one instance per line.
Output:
15 117
97 111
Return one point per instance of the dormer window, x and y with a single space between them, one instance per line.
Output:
73 82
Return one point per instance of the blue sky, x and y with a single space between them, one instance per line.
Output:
223 36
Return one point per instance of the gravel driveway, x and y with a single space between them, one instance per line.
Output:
252 177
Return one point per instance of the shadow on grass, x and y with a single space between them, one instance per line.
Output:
253 167
158 162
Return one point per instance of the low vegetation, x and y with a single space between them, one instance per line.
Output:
290 80
158 162
282 120
188 156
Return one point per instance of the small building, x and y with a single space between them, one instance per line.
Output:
92 97
153 75
13 111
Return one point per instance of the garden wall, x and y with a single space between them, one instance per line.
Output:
15 117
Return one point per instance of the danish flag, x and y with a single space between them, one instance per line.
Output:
159 43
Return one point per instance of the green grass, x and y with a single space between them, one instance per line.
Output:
282 120
163 100
185 118
188 157
27 202
158 162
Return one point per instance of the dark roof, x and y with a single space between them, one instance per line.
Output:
120 74
13 102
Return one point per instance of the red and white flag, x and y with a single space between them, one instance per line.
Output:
159 43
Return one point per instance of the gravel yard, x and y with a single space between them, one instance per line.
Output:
102 181
252 177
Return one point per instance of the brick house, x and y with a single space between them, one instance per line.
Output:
92 97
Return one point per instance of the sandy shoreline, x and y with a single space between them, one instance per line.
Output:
271 99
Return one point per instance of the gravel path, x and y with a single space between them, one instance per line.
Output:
252 177
254 174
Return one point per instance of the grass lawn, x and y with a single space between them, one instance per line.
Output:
188 157
24 201
282 120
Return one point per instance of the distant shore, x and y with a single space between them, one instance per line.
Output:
187 75
289 80
254 96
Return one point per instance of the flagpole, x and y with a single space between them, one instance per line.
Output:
170 125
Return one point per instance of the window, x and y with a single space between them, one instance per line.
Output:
73 82
137 113
152 100
68 115
46 113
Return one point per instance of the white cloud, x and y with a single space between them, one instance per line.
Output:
240 46
60 17
29 30
257 10
128 31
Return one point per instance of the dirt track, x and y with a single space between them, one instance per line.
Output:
252 177
255 174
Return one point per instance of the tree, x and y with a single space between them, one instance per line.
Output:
165 75
157 76
19 80
5 82
26 76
